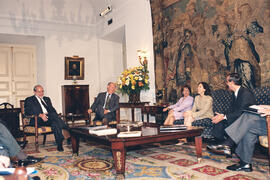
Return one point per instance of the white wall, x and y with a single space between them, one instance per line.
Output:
111 62
135 16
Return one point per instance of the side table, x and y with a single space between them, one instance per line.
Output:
132 106
154 110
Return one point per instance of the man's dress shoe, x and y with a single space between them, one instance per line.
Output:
22 144
69 140
220 149
240 167
60 148
29 160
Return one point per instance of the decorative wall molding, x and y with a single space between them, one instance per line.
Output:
37 26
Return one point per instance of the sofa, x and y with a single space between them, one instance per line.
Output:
222 100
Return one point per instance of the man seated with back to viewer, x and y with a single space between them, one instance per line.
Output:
243 134
47 115
242 99
10 148
105 105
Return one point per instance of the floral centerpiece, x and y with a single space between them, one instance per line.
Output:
133 80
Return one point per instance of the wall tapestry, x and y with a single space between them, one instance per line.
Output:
203 40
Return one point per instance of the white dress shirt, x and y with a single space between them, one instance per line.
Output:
44 110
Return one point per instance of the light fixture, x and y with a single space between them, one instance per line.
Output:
106 11
142 54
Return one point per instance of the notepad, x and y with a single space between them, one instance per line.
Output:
103 132
130 134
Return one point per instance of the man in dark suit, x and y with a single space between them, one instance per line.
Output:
106 104
242 99
47 115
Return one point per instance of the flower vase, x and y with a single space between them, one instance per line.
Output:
134 97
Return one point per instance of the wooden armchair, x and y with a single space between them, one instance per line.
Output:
6 106
265 140
99 123
33 130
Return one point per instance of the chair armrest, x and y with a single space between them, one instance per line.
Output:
118 115
268 132
26 119
29 116
90 118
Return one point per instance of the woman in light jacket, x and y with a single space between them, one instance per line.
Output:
184 104
202 107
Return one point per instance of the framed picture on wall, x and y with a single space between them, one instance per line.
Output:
74 68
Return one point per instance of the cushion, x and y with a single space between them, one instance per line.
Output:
112 122
222 100
262 95
263 141
205 123
99 123
43 129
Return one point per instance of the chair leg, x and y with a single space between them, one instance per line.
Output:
44 139
24 138
269 156
36 142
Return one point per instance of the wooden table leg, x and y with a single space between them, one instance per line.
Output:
198 143
75 141
147 117
132 114
119 156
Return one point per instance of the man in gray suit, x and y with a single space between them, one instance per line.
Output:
106 104
9 144
243 134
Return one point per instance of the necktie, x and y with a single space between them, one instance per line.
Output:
107 101
44 104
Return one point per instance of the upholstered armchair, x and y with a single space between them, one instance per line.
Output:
33 130
99 123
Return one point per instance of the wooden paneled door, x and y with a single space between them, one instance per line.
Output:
17 73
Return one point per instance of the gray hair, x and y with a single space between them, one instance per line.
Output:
35 87
109 83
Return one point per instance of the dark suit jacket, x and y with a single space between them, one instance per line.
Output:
113 105
244 99
32 107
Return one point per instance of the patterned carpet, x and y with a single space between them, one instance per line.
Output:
158 161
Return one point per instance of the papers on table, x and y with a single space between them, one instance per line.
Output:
130 134
104 132
174 128
8 171
131 124
254 109
101 130
94 128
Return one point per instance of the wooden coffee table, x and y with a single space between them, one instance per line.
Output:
119 145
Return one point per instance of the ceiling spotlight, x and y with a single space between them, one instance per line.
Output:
106 11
